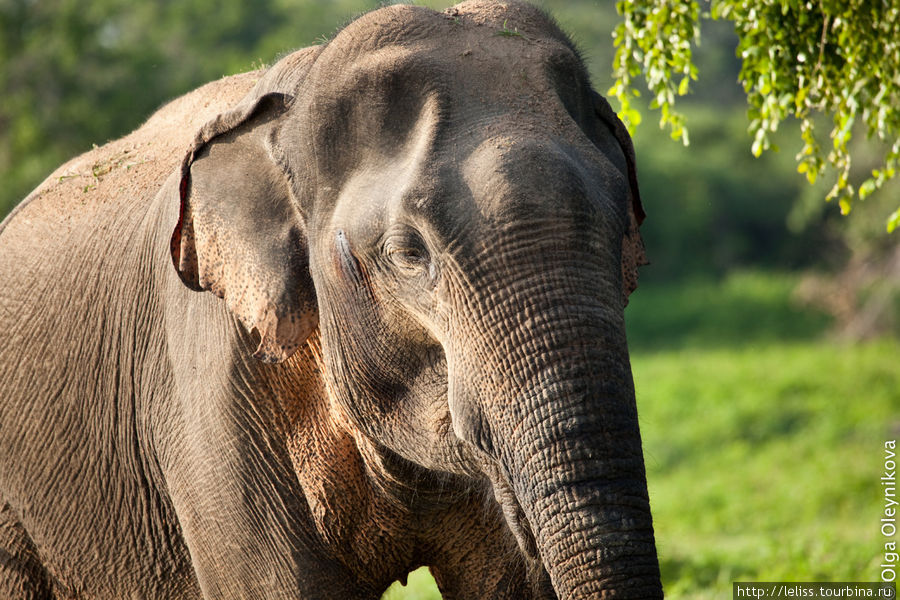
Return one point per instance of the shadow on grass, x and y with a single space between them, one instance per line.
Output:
742 309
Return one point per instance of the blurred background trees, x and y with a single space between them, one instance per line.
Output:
76 73
753 275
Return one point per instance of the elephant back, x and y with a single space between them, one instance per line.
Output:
131 168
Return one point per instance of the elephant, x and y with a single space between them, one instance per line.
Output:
311 327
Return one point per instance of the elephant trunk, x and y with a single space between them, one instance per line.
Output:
583 492
564 434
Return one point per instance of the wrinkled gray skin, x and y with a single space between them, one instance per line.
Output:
419 240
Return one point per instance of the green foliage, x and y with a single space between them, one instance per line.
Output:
800 59
507 32
741 309
420 586
712 207
654 38
763 444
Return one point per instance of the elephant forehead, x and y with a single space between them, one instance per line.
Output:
416 46
404 24
409 108
534 176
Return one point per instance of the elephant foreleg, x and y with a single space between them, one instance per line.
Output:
244 519
22 576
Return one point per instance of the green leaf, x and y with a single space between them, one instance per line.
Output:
893 221
866 189
845 205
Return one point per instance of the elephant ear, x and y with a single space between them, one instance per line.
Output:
239 235
633 254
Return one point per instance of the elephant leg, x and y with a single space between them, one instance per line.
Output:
22 576
248 540
244 518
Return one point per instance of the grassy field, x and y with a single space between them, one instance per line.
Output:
763 440
764 462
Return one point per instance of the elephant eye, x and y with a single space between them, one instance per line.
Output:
407 251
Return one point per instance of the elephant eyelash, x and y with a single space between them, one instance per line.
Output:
411 255
407 251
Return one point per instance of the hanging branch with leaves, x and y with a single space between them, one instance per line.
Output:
805 59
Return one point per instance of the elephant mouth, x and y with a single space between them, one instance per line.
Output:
512 511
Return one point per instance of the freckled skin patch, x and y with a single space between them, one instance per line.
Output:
416 240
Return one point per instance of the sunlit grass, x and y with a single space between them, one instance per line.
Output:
763 462
420 586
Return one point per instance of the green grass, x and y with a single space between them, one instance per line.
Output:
764 462
420 586
763 442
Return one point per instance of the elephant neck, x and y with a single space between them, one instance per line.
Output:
357 524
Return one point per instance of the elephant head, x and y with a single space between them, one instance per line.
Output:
446 199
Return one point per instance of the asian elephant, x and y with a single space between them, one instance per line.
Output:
311 327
